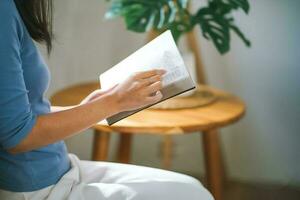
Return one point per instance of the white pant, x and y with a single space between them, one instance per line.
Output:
89 180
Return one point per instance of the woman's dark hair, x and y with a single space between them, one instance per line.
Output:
37 17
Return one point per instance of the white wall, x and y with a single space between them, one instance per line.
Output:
264 146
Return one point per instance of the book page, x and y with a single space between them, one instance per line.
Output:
160 53
175 69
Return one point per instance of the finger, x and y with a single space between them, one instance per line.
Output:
154 79
155 98
151 80
153 88
150 73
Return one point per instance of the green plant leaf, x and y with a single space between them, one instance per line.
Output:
183 3
214 27
143 15
240 34
216 24
214 19
226 6
236 4
137 18
181 26
114 11
171 12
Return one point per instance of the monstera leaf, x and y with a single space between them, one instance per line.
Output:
214 27
214 19
236 4
216 24
143 15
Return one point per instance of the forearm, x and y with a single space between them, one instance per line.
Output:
61 108
134 93
60 125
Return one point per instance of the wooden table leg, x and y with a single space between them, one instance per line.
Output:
124 150
100 146
167 152
213 163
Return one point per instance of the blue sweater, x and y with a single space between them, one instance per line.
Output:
24 78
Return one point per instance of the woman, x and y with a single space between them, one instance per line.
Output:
34 163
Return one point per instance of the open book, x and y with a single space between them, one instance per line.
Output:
160 53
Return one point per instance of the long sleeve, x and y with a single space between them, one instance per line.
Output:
16 116
24 79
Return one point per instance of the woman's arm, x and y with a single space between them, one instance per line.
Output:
60 125
90 97
60 108
21 130
134 93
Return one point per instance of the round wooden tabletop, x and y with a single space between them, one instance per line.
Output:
225 110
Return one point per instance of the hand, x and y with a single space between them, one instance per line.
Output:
139 90
94 95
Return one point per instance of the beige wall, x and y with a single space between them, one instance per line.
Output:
262 147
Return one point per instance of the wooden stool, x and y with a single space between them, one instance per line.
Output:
226 110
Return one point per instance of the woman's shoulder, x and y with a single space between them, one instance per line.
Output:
10 23
8 11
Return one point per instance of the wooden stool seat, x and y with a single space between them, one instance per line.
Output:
225 110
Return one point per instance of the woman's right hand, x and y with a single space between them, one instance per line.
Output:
139 90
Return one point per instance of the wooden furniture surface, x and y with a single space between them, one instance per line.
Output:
74 94
225 110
